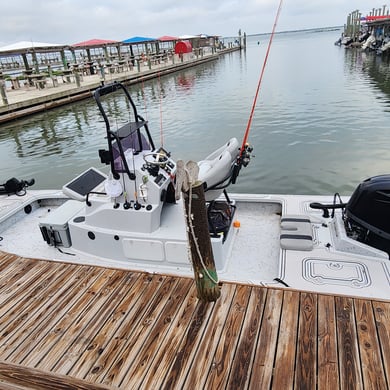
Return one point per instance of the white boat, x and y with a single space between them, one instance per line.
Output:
132 219
369 43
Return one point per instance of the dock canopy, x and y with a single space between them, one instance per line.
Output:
95 43
29 46
167 38
183 47
139 40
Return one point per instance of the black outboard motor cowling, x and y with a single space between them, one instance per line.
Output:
367 214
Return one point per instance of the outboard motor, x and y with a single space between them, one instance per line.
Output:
367 214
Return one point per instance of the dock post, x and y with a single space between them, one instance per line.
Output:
3 90
77 78
201 252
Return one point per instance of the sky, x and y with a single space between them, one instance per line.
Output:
72 21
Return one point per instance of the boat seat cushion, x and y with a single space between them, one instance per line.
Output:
296 233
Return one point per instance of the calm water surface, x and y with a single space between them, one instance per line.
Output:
320 126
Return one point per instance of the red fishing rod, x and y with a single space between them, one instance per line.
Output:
245 150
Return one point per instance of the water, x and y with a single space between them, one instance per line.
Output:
320 125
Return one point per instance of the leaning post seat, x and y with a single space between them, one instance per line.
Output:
296 233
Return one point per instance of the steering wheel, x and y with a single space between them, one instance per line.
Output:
156 159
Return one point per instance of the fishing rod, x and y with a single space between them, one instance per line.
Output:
245 150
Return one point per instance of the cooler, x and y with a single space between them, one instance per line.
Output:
54 227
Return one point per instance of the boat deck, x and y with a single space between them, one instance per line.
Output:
85 327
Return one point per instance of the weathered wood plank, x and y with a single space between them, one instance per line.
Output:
21 282
370 352
226 349
349 361
102 340
204 358
133 315
382 318
328 367
262 369
287 342
305 370
139 368
243 359
55 341
21 347
86 330
9 264
74 334
16 321
21 377
170 346
188 346
133 345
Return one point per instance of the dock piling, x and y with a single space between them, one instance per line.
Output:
3 90
200 249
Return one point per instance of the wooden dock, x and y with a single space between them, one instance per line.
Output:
30 100
83 327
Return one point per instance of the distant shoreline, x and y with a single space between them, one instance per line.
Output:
317 29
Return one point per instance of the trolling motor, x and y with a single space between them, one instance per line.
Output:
15 186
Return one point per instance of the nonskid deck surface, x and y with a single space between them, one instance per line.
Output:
254 245
255 256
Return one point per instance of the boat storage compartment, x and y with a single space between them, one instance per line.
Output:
54 227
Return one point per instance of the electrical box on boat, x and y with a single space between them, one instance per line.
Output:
54 227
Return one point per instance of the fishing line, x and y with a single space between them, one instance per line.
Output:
144 96
244 141
161 120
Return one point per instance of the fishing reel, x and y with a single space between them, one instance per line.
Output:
243 159
246 155
15 186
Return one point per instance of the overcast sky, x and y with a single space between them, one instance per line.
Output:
71 21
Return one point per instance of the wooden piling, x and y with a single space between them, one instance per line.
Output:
3 94
200 243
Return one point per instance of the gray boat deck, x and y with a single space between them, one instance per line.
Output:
85 327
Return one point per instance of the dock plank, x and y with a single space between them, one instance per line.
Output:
242 362
226 348
151 345
133 315
98 345
85 327
132 348
18 346
55 341
284 371
382 320
207 346
328 367
372 368
305 370
92 322
170 347
349 363
262 369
